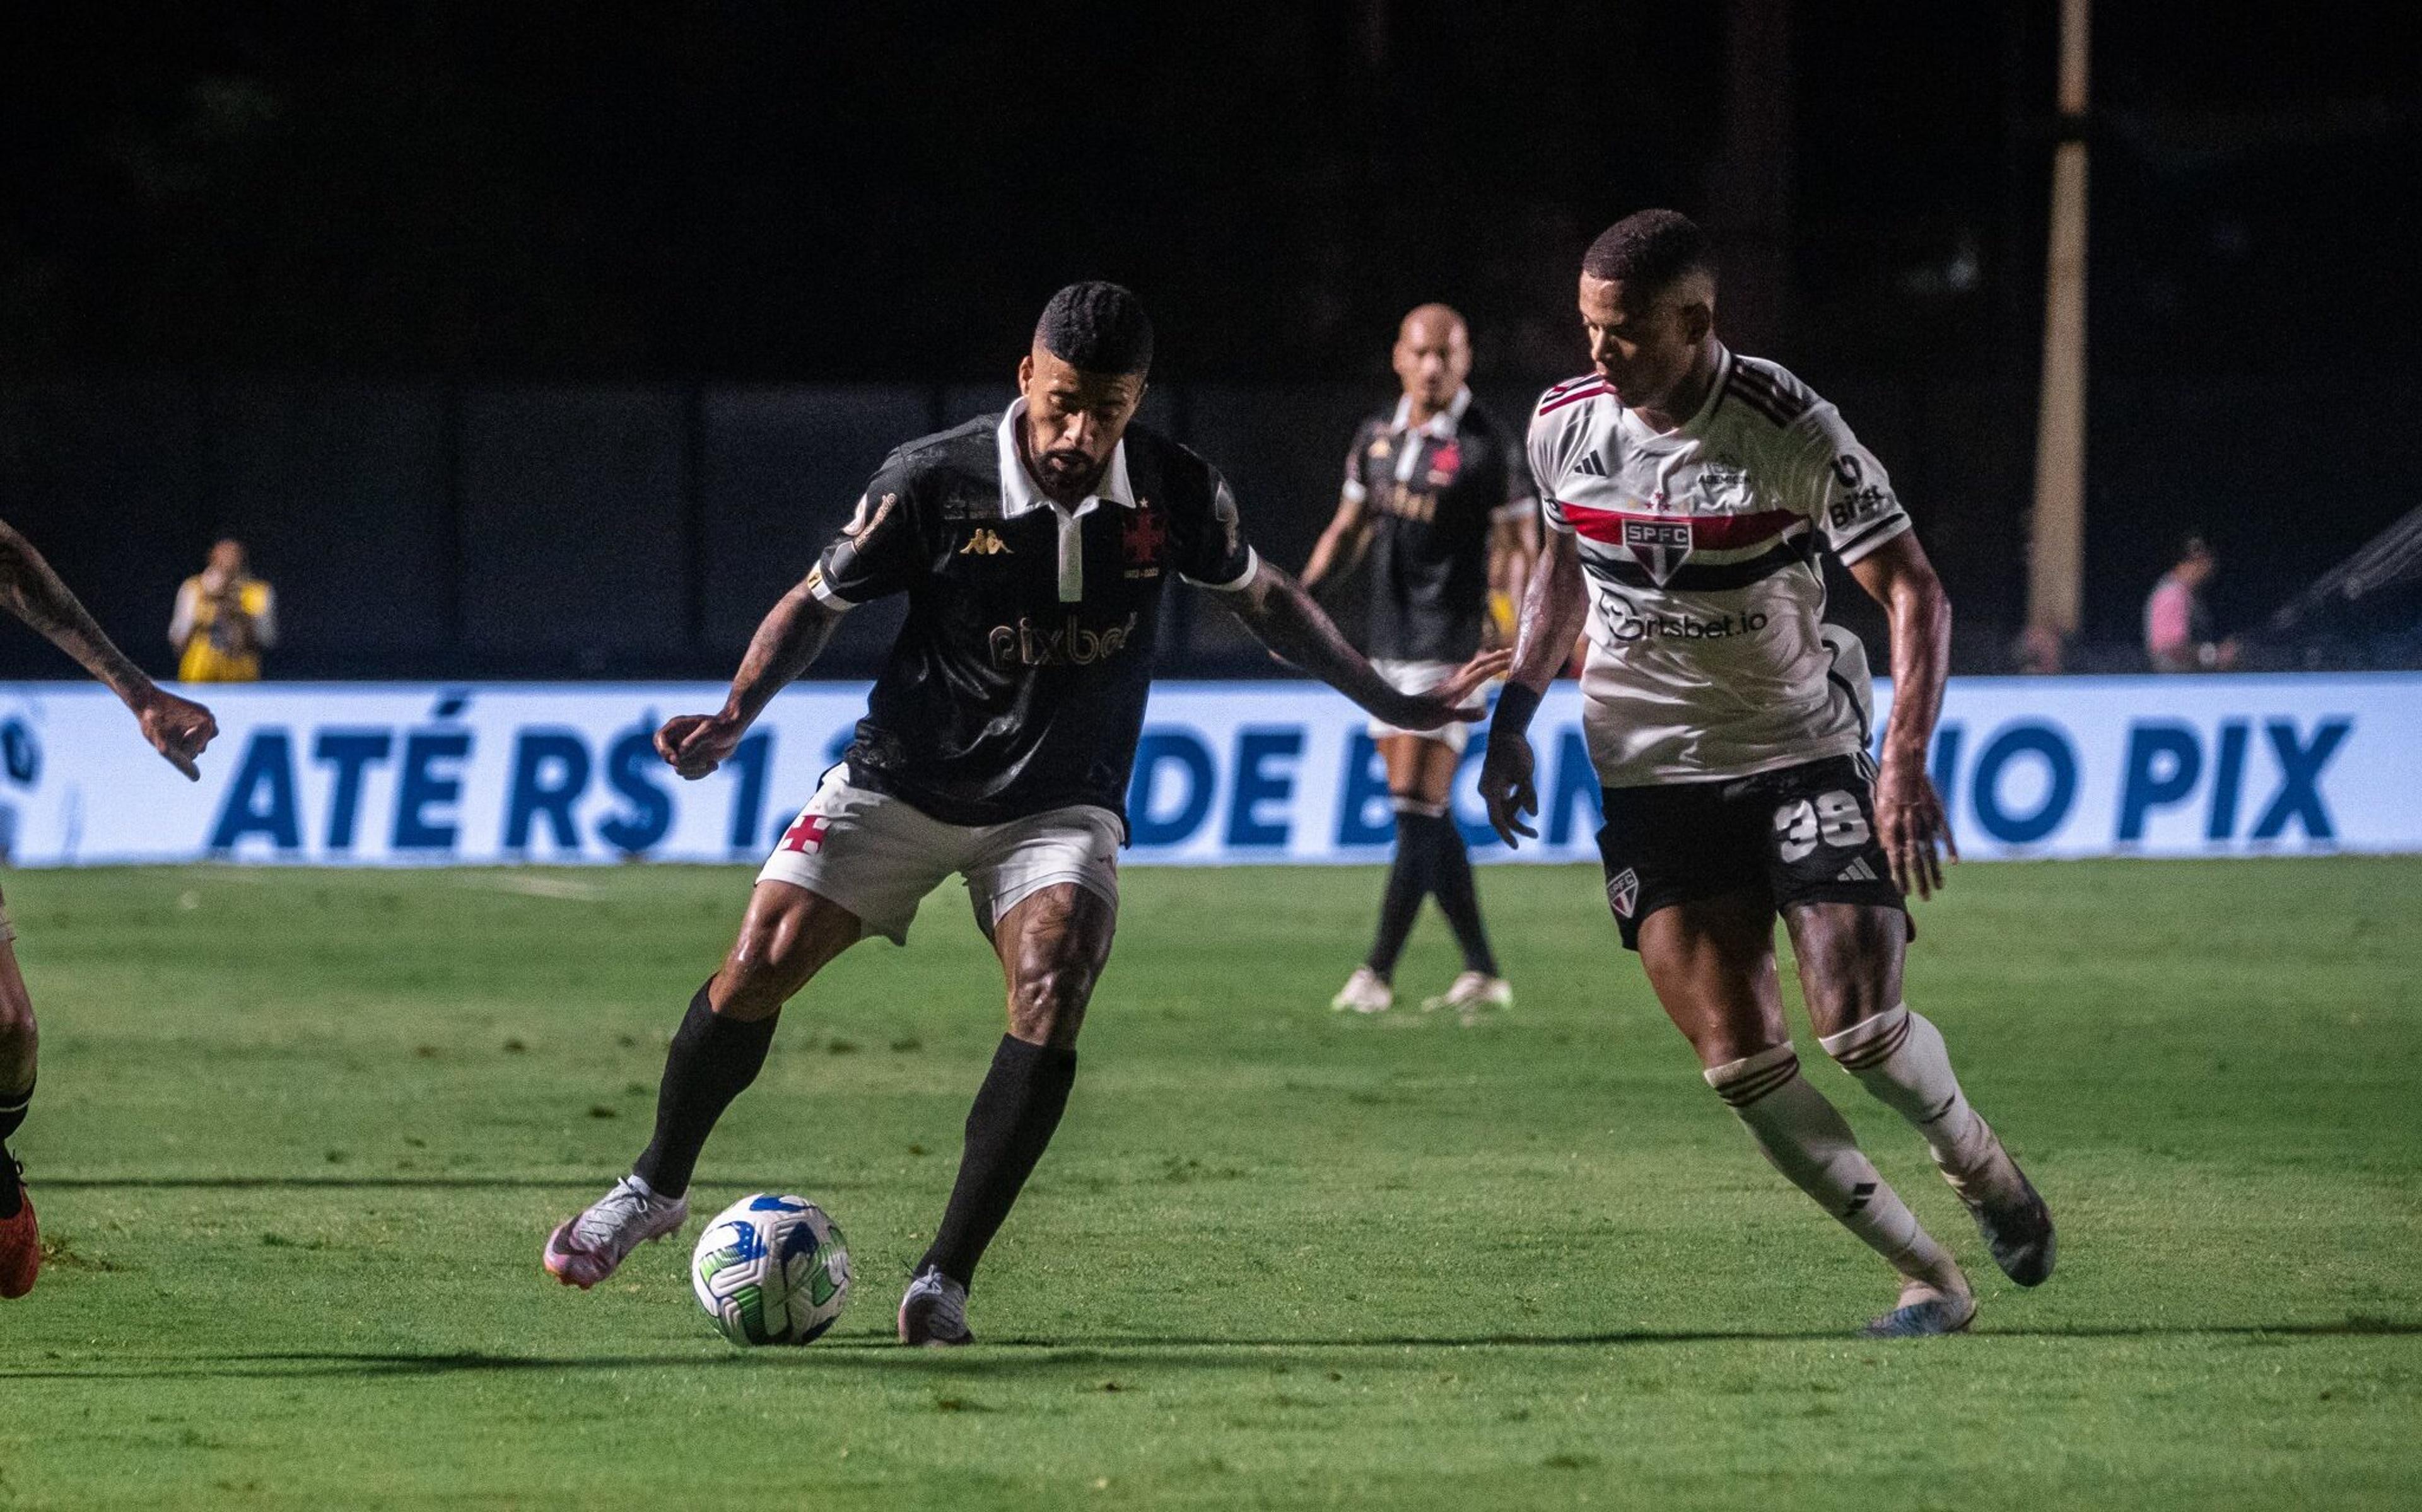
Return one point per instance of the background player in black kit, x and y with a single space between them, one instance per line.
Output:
1441 493
1034 547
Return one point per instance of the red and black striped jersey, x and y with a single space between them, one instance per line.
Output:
1709 656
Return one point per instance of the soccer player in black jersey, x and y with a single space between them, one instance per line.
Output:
177 729
1441 489
1035 548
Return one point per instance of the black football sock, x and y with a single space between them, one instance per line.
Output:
1459 898
1409 882
1014 1114
12 1115
713 1060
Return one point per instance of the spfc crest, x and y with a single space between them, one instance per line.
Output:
1660 546
1623 891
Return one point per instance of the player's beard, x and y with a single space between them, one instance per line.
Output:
1066 470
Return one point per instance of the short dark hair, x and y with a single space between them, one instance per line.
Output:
1650 248
1098 327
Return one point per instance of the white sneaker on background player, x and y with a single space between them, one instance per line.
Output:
1365 992
1472 993
585 1250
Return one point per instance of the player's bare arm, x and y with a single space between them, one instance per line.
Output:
1333 541
785 646
1553 612
177 728
1275 607
1910 821
1514 555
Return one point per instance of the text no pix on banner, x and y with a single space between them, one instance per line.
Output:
1225 773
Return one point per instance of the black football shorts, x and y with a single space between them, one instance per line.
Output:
1803 835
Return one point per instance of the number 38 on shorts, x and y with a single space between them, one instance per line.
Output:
1833 818
1801 834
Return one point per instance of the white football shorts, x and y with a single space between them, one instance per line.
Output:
1420 677
878 856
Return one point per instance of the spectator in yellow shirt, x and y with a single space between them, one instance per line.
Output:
224 619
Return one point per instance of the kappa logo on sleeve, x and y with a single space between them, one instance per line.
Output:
1623 891
985 543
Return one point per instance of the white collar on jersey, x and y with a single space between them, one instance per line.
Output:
1019 492
1440 424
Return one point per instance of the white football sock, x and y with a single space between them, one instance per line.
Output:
1804 1136
1899 1056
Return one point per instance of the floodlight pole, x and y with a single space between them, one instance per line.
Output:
2056 544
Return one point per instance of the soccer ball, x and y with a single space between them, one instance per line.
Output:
771 1271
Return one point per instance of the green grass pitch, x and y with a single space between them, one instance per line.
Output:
300 1136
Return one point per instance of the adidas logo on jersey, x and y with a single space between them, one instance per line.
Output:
985 543
1857 871
1591 465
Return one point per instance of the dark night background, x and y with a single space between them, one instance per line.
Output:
544 340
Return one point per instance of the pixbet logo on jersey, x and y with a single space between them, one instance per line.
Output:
1070 643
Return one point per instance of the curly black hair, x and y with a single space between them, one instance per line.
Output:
1098 327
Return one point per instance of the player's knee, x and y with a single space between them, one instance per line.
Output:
1047 1006
1849 967
756 977
17 1034
748 996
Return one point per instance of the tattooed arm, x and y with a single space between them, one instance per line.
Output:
786 642
1281 615
177 729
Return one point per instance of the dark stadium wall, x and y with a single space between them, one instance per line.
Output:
437 530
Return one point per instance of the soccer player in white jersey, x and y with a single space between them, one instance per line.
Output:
1688 493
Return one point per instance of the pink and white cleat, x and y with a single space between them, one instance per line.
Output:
585 1250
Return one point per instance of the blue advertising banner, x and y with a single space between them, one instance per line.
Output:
365 774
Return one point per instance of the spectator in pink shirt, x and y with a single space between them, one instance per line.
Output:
2178 630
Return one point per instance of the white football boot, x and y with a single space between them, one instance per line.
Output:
1471 993
585 1250
1366 991
934 1313
1924 1313
1928 1305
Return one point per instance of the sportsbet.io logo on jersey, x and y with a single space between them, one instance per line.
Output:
1626 625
